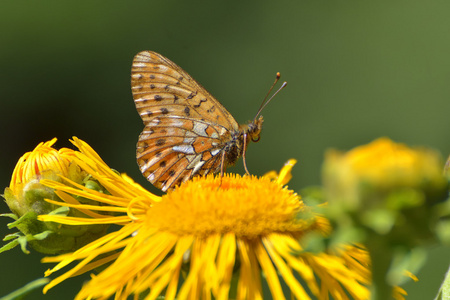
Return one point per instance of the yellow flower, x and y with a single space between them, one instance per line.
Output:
379 168
26 198
386 196
210 237
43 162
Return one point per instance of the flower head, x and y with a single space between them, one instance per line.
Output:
43 162
210 237
380 168
27 197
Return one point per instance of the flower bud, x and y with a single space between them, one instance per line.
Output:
26 198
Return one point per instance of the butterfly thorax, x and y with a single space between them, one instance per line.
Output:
234 148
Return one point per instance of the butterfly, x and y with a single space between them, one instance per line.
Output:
187 131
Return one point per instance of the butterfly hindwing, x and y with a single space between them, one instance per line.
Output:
169 146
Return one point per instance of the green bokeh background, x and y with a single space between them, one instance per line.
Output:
356 70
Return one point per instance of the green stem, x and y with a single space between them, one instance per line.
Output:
381 259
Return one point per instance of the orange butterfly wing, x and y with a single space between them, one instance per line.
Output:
186 128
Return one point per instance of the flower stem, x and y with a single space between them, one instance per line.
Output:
381 258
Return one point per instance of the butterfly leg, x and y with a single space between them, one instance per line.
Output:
243 154
222 167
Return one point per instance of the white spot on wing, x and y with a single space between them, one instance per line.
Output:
215 151
144 56
151 177
188 140
190 158
141 99
175 122
187 149
190 134
144 136
198 166
141 65
196 163
154 122
200 129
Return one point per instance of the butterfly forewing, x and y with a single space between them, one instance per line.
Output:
186 128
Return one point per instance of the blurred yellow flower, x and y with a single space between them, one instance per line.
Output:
385 195
379 168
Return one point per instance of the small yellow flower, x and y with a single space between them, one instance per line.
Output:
379 168
43 162
210 237
26 197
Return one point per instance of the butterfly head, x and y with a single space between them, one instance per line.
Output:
254 129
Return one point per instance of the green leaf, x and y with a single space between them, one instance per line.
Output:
29 215
12 236
42 235
23 241
12 216
63 211
9 246
23 291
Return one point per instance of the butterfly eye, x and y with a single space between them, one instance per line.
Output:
257 139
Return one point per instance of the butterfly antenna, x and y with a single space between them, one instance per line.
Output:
264 103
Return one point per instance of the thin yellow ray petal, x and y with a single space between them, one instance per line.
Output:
68 274
129 268
210 278
120 220
332 275
173 284
183 245
249 285
96 264
225 264
201 251
156 267
285 174
345 277
285 272
269 271
94 254
285 245
85 208
245 271
82 191
112 181
100 246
